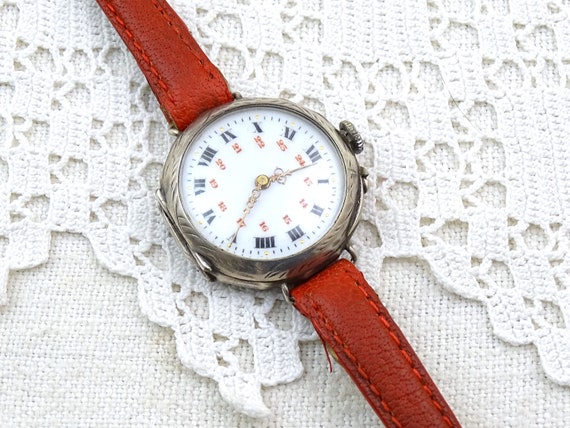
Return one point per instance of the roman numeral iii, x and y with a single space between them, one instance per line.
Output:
313 154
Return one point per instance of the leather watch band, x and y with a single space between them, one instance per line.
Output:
183 79
353 323
345 311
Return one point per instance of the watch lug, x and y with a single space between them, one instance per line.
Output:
202 264
351 252
364 177
173 130
287 294
170 223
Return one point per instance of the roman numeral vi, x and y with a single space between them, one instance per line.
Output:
265 242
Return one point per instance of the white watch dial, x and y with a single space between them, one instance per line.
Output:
262 183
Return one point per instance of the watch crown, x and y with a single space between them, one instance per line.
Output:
351 136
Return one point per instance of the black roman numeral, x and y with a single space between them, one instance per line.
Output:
199 186
227 136
317 210
265 242
209 216
324 181
289 133
313 154
257 127
295 233
207 156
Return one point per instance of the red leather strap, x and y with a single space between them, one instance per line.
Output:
350 319
183 79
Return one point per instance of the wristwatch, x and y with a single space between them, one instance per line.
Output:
262 193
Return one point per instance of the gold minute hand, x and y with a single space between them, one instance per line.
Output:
261 182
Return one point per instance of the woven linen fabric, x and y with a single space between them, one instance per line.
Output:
465 234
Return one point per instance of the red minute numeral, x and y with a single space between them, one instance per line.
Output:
303 203
236 148
308 181
259 142
300 160
264 226
287 219
282 145
223 207
221 164
214 183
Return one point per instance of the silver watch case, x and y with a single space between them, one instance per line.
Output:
220 265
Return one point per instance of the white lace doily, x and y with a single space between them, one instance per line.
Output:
465 106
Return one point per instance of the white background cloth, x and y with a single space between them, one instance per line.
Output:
465 233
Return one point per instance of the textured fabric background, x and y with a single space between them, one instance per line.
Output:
465 235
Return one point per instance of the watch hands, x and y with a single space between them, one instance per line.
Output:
262 182
280 176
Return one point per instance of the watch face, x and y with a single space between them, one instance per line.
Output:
261 191
262 182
